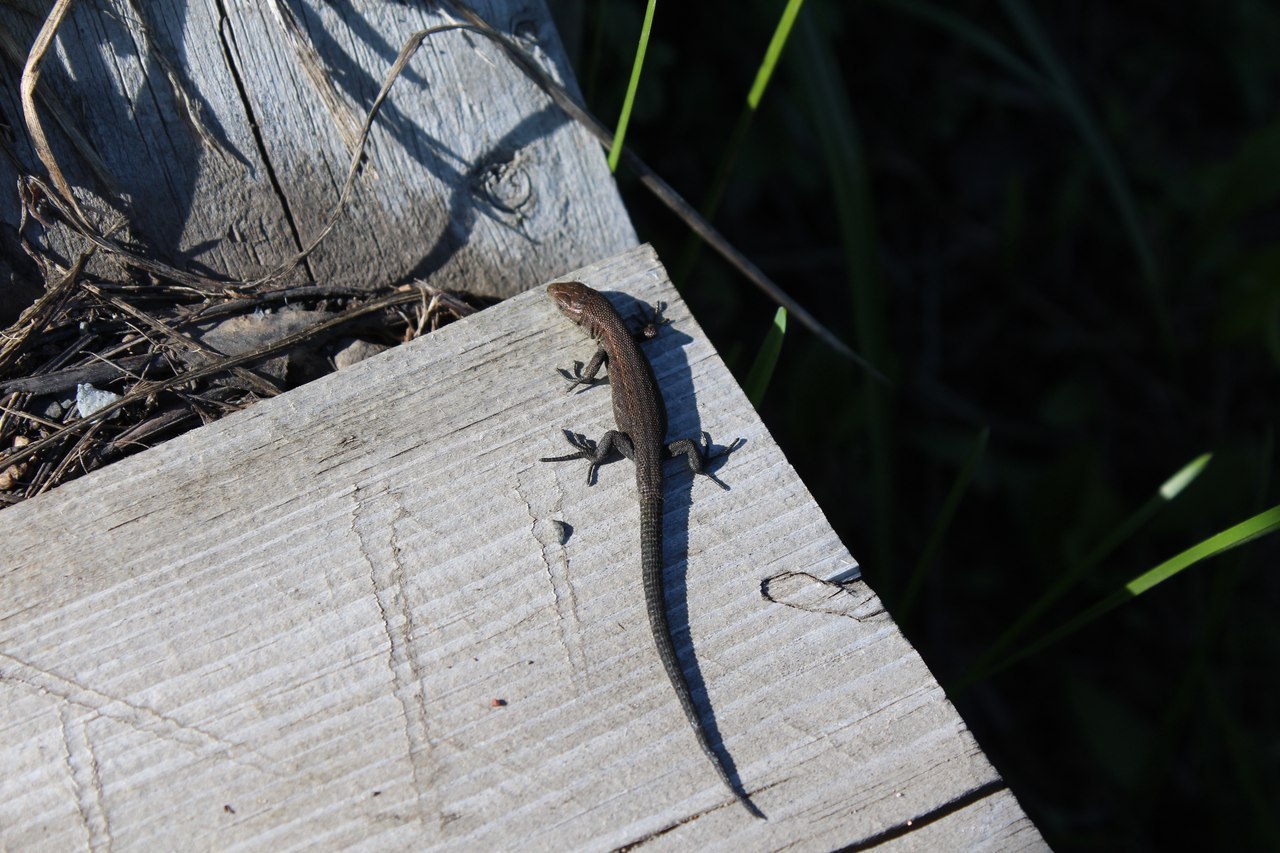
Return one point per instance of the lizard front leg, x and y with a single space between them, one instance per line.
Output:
585 375
699 456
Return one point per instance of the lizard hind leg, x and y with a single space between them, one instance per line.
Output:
597 453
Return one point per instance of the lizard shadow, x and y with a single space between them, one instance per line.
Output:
668 357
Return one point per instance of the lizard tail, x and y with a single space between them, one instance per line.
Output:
651 561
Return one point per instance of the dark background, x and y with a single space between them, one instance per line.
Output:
943 213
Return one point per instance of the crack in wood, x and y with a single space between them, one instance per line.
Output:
82 766
552 535
389 583
226 35
135 716
948 808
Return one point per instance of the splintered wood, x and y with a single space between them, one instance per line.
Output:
362 613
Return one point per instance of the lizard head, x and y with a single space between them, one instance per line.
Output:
571 298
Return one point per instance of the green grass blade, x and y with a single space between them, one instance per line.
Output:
1169 489
762 368
620 135
941 526
771 54
1246 531
1173 486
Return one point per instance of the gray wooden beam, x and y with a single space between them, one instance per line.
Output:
353 614
225 155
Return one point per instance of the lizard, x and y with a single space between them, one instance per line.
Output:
640 435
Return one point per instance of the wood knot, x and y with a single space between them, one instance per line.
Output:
506 185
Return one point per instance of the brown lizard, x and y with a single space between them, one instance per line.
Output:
641 419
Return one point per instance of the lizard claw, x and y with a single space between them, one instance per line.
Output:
722 452
708 456
585 446
734 445
575 377
646 328
585 449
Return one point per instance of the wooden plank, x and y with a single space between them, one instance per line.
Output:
291 626
473 179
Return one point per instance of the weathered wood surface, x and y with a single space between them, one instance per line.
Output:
290 628
473 179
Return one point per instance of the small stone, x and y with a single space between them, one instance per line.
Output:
51 406
353 350
90 399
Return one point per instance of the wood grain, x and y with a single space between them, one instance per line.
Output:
225 156
300 625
